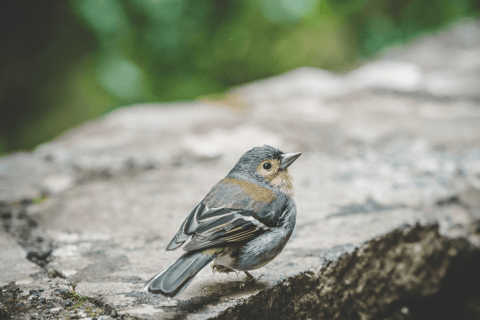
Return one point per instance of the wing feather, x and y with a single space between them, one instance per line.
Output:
206 227
235 226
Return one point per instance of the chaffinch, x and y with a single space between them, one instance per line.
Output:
242 224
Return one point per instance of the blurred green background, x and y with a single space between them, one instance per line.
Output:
65 62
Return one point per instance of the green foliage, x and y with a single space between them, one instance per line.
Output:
2 149
39 200
70 61
392 22
78 299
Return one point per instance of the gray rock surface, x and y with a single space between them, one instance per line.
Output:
14 265
389 145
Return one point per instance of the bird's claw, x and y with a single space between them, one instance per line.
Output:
221 269
250 280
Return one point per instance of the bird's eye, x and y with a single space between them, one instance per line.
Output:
267 166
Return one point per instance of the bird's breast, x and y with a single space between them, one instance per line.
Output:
257 193
239 194
283 181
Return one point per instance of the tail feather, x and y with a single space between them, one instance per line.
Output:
178 275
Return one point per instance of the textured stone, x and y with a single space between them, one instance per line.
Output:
14 267
21 176
417 266
390 144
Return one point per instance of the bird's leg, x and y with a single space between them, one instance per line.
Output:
221 269
250 280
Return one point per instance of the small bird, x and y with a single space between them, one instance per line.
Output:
242 224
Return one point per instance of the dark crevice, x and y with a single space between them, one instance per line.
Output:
15 220
410 273
457 297
449 201
26 231
16 304
41 259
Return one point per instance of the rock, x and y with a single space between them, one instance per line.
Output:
470 198
13 265
305 82
20 174
388 75
449 60
4 314
62 291
417 263
386 190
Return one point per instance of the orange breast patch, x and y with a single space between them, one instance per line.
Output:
256 192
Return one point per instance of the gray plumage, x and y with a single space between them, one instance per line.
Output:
243 223
179 274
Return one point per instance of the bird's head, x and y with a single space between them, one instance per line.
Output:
269 165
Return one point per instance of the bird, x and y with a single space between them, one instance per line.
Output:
242 224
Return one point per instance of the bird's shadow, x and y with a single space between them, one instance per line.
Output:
218 290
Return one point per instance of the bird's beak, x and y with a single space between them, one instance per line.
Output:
288 159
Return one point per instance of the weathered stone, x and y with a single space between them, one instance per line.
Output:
14 267
391 144
417 266
21 176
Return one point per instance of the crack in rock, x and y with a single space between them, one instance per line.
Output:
52 303
25 230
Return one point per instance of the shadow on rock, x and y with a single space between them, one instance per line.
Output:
411 273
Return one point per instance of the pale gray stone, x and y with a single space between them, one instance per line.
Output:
388 146
14 267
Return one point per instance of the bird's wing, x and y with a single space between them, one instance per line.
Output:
212 226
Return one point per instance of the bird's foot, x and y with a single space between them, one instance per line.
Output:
250 280
221 269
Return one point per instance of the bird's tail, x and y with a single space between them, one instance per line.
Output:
178 275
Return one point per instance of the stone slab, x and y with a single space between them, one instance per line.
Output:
14 267
382 151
